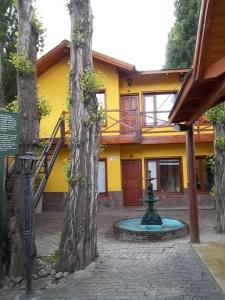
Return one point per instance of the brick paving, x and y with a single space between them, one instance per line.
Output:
168 270
138 270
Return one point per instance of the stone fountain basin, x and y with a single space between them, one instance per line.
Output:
130 229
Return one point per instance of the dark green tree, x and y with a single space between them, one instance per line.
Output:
8 29
182 37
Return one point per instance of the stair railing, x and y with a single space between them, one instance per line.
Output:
43 160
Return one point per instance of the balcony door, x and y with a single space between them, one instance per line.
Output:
129 113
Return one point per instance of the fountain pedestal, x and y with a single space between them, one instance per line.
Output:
151 217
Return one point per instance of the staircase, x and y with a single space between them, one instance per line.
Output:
44 165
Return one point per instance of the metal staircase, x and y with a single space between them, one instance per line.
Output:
44 165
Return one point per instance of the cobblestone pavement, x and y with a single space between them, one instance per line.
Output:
143 270
168 270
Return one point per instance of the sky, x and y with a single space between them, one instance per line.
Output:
134 31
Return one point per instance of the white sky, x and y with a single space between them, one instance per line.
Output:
134 31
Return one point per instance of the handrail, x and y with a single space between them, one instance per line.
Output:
10 169
40 162
44 179
43 162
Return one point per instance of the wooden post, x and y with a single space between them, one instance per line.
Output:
192 190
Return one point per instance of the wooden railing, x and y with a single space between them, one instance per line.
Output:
134 122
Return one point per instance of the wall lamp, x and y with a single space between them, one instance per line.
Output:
129 81
180 127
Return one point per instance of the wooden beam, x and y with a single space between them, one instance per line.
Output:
192 189
215 69
215 93
118 139
205 20
186 87
153 140
175 139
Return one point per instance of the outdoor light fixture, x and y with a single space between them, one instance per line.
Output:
27 167
129 81
180 127
27 163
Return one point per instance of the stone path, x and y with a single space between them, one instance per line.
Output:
135 270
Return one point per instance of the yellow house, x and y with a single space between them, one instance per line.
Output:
136 135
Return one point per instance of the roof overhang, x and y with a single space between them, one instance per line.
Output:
125 69
204 86
63 49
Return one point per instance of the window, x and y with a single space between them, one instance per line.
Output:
102 104
167 173
204 177
101 99
156 108
102 177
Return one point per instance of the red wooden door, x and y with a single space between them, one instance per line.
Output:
131 182
129 117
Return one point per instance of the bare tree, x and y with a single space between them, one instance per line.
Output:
78 246
24 62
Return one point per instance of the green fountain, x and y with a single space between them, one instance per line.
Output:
151 226
151 217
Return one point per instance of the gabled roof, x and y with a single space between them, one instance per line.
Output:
205 85
62 50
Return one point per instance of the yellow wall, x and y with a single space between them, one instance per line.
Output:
53 85
57 180
112 154
150 83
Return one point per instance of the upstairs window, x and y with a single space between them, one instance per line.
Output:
101 99
156 108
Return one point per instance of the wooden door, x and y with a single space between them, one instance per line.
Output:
132 182
129 110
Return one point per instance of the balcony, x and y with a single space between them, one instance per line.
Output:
135 127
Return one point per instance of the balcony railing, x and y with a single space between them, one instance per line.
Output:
130 126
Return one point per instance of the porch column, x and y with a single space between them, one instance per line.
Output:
192 190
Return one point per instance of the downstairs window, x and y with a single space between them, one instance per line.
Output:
167 173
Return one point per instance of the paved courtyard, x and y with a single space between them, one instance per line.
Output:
134 270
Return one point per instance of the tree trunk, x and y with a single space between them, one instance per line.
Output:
29 130
2 102
219 176
78 245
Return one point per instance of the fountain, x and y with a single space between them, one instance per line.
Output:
151 226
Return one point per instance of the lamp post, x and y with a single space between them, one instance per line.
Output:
27 165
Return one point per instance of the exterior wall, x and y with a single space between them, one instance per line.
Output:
53 85
57 180
151 83
114 154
